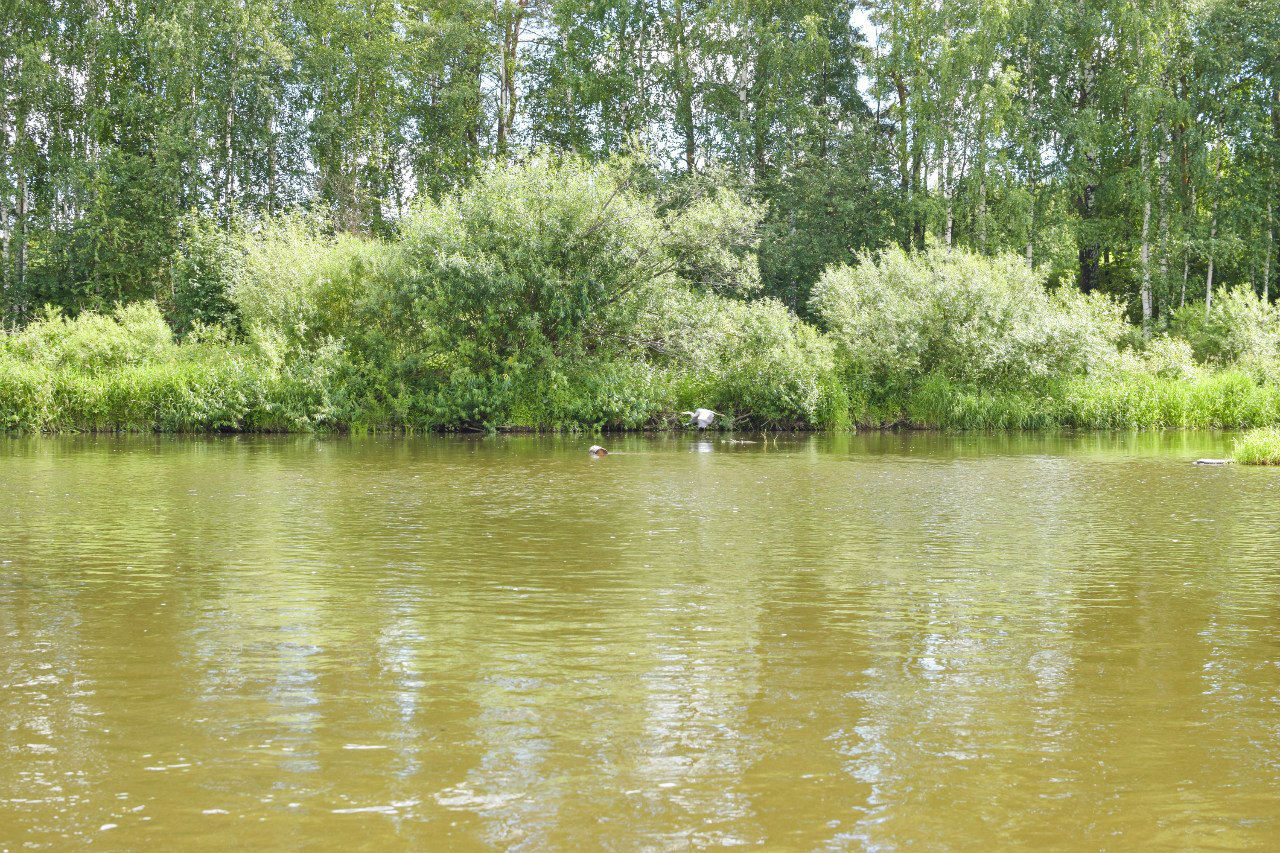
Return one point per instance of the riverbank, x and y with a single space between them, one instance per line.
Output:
211 387
128 373
552 295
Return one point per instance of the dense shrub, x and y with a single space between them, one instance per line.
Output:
526 266
297 287
1241 328
525 299
550 259
1168 358
756 360
125 372
91 342
712 239
900 318
204 269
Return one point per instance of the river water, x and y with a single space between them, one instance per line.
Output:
852 642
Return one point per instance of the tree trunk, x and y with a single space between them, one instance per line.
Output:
684 90
1032 154
948 191
917 221
1163 229
227 185
191 193
4 212
981 213
271 164
20 212
1031 227
760 91
511 18
1146 244
1266 263
513 57
1186 253
1208 279
904 165
1271 229
1088 252
4 255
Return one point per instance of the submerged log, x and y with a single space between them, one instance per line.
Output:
1213 461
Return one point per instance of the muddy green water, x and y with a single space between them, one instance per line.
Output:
820 643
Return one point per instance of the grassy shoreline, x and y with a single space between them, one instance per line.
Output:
228 395
551 296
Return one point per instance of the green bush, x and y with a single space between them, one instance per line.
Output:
527 265
1240 329
126 372
899 318
204 270
1169 358
297 287
753 361
92 342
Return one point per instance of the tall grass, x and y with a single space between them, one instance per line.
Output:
1258 447
1224 400
127 373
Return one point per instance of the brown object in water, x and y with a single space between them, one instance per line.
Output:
597 450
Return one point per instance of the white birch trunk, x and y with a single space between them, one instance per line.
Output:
1208 279
1146 244
1266 263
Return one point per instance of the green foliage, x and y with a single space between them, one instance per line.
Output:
711 234
900 317
204 269
1227 400
755 361
94 343
1169 358
125 372
1258 447
555 294
828 210
1124 147
296 286
1239 328
529 264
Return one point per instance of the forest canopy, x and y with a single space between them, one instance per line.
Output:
454 214
1129 147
